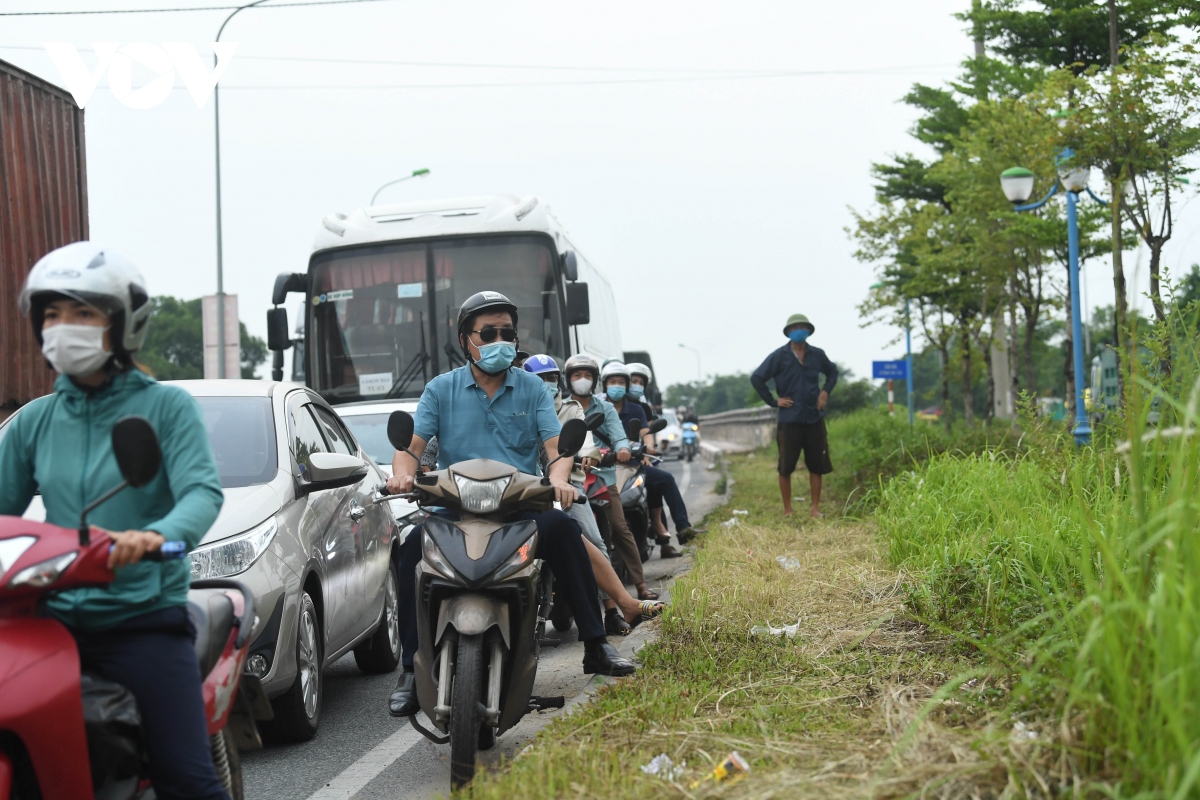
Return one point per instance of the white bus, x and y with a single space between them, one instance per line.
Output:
384 285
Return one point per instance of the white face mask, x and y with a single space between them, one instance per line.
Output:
76 350
581 387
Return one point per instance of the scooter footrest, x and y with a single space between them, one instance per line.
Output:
550 642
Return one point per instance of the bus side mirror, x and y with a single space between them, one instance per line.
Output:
278 336
579 310
288 282
570 266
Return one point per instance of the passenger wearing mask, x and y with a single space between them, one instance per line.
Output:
640 377
659 482
488 409
796 368
583 378
89 309
617 621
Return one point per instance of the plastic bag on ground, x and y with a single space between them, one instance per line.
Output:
788 562
662 766
790 631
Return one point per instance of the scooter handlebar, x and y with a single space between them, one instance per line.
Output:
170 551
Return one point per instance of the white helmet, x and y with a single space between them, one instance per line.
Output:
96 276
582 361
638 368
614 369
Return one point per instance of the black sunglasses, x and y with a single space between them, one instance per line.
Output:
488 333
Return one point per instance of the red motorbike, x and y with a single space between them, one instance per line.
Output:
70 736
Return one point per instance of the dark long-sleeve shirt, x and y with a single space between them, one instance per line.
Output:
801 382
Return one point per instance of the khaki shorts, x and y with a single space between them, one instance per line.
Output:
811 439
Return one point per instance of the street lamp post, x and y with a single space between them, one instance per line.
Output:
416 173
699 373
908 377
1017 184
220 248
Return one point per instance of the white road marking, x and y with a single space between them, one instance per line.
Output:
354 777
687 478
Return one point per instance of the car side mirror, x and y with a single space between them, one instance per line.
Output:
333 471
658 425
279 338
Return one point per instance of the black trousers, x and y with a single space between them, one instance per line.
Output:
152 657
560 544
660 486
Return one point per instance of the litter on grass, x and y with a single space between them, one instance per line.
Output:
731 522
790 631
662 766
788 562
737 512
731 769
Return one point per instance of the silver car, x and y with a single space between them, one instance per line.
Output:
299 529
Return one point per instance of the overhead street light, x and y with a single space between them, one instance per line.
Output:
416 173
1017 184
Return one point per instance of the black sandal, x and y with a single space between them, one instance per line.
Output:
615 624
647 595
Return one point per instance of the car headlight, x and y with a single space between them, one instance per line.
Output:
233 555
480 497
522 558
670 437
45 573
12 549
434 558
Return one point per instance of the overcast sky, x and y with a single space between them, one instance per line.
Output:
715 201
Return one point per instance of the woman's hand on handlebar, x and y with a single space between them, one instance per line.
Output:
129 547
399 484
587 462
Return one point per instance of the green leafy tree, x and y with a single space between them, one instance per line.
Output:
174 347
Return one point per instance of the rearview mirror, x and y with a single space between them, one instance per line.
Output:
570 266
579 310
571 438
633 430
400 429
594 419
278 336
658 425
333 471
135 445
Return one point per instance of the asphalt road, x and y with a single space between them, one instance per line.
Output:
361 752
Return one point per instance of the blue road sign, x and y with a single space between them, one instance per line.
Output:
889 370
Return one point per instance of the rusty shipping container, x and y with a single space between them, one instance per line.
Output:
43 205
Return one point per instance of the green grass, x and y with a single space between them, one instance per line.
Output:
1077 577
820 715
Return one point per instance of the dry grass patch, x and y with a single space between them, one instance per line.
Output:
848 708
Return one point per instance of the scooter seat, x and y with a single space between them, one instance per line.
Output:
211 611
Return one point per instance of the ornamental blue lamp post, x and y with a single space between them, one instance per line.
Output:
1017 184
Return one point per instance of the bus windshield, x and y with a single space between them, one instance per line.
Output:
383 317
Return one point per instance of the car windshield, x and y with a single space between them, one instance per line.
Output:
383 319
371 432
241 431
670 417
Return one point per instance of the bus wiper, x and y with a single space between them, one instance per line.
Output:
417 365
456 358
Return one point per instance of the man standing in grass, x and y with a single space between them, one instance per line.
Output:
796 368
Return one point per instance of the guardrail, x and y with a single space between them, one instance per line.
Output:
749 427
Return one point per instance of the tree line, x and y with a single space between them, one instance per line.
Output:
1053 85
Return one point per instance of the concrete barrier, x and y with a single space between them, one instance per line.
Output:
740 429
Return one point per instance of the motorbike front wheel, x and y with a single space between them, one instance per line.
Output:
465 719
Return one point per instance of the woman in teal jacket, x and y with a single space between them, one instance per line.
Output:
89 310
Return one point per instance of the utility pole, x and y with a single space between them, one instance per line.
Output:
1120 312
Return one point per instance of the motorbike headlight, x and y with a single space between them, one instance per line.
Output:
522 558
12 549
434 557
45 573
480 497
233 555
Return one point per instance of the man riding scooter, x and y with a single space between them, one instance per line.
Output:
617 621
583 379
89 309
660 484
487 409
